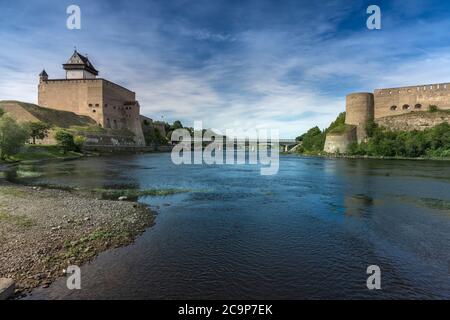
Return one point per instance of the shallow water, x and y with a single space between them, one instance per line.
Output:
310 231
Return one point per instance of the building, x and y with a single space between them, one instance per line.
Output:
384 105
82 92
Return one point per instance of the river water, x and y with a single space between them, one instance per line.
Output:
308 232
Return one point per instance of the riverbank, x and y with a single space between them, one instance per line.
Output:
344 156
43 231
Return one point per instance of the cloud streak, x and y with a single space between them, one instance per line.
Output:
283 65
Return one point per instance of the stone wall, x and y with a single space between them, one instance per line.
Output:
338 143
110 105
359 110
414 120
395 101
83 97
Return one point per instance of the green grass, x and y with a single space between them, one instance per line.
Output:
56 118
341 129
18 220
12 191
42 152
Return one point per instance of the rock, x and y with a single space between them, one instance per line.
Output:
56 228
122 198
7 287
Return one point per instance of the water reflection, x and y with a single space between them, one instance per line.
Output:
308 232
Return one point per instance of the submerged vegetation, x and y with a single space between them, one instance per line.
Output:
133 194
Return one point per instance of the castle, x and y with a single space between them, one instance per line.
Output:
381 107
81 92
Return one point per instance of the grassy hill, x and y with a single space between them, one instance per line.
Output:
23 111
77 124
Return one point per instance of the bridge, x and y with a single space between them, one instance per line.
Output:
286 144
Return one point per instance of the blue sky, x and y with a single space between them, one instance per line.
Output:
285 65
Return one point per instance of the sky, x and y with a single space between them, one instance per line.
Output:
259 64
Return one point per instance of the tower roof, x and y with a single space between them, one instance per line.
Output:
79 62
43 74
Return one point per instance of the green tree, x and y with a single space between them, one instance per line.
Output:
177 125
38 130
12 136
65 140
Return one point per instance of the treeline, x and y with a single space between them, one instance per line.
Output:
431 142
382 142
313 140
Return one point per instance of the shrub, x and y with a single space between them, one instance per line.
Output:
65 140
12 136
79 142
433 108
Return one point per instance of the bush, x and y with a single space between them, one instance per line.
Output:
79 142
12 136
433 142
433 108
65 140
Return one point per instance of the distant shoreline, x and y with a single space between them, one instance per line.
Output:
343 156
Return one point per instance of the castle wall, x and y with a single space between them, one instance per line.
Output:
83 97
395 101
335 143
115 113
359 109
414 121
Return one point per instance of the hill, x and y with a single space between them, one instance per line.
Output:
23 112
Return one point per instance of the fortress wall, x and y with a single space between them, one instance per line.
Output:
79 96
414 121
359 109
115 113
396 101
339 143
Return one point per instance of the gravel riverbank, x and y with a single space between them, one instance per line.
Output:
43 231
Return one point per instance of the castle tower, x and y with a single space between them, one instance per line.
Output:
43 76
359 109
79 67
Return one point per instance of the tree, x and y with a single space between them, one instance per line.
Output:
177 125
38 130
65 140
12 136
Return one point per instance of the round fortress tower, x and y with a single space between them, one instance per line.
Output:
359 109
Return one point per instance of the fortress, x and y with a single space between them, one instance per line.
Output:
392 108
81 92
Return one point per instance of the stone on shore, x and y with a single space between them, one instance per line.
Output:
7 287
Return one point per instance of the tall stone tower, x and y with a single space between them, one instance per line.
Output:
359 109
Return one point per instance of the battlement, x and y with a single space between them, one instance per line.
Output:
87 81
413 89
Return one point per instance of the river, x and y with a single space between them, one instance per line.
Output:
308 232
